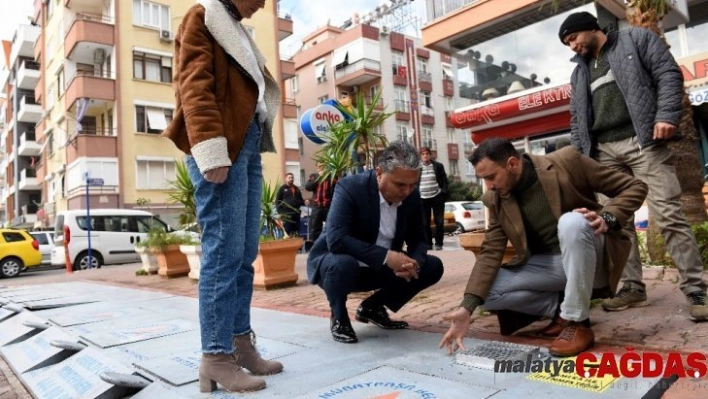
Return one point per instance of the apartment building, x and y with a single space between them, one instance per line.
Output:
514 69
19 151
106 93
415 83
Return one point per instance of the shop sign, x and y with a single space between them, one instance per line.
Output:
695 77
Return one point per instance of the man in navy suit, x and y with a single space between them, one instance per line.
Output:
372 216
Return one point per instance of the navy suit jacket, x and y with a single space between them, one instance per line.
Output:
353 226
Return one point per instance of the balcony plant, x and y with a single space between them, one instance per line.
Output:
183 194
275 264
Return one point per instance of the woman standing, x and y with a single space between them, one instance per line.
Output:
226 105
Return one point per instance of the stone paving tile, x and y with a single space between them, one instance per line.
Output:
663 325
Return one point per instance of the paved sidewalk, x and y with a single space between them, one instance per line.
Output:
663 326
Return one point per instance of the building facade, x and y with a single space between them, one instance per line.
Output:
493 38
103 95
414 83
21 190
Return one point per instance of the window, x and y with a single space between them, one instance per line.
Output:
300 146
396 58
154 174
451 135
50 143
151 15
373 90
454 168
448 104
294 84
321 72
401 101
422 65
426 100
60 83
147 223
428 137
323 99
402 131
151 119
13 237
151 67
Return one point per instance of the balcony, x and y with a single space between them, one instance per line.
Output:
29 181
28 145
427 115
448 88
29 214
90 84
359 72
88 33
29 111
28 75
403 109
90 145
285 26
453 152
287 69
448 120
379 106
289 108
23 42
425 81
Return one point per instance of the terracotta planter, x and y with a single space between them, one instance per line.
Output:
172 261
147 256
194 258
275 264
473 242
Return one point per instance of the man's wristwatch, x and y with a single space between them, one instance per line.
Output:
611 221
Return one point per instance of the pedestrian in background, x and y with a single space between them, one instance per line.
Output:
288 201
226 107
323 190
626 103
433 192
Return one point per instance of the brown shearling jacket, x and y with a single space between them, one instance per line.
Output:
570 180
215 94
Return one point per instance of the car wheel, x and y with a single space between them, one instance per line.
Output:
11 267
82 261
460 228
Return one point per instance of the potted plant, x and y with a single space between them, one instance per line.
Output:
275 263
183 194
164 246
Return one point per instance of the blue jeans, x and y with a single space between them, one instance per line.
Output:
229 216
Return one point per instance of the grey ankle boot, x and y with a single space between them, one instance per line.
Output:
247 356
222 368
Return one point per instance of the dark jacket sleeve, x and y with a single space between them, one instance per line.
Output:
298 198
665 74
340 226
416 245
279 196
441 177
574 105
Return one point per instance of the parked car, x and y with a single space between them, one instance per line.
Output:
469 215
114 233
18 249
449 225
46 243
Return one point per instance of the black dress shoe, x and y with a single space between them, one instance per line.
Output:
511 321
379 316
342 331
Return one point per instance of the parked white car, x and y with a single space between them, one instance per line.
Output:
469 215
46 243
114 233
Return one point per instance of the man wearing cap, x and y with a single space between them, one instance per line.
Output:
433 192
626 103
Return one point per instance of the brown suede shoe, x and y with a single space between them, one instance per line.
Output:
575 338
222 368
247 356
555 327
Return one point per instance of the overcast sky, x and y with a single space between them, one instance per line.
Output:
14 13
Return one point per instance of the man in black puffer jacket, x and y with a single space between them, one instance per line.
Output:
626 103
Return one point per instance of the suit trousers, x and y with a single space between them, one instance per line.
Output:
341 275
317 220
436 206
533 287
654 166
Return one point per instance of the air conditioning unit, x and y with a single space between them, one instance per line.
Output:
166 36
99 55
384 30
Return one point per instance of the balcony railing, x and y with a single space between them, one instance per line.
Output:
86 16
402 106
97 131
427 111
425 77
365 63
444 7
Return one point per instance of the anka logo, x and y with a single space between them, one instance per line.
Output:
630 364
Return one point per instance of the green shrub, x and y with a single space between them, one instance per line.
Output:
159 238
701 233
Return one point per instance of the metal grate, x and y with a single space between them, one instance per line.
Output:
485 355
